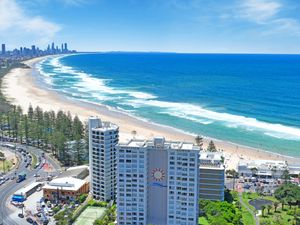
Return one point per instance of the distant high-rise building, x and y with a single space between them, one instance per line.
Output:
3 49
21 50
48 48
157 182
62 47
103 137
33 50
52 47
66 47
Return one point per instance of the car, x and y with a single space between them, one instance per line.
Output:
247 186
35 223
29 220
20 215
36 175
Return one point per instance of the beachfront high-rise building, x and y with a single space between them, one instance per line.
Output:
52 47
33 50
157 182
103 137
3 49
66 47
212 176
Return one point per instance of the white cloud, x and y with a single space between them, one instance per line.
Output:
14 20
267 13
259 10
74 2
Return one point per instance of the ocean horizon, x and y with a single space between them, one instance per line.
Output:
248 99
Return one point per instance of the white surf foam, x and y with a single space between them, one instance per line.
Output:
100 89
191 112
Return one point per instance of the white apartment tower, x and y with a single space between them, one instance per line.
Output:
103 137
157 182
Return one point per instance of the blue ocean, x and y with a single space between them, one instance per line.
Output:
248 99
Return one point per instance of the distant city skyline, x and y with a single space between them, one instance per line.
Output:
195 26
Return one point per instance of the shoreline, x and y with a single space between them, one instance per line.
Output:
20 87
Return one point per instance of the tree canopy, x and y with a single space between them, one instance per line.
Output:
289 193
211 147
221 212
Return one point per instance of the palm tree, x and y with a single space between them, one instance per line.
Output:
285 175
276 204
254 171
269 207
263 207
282 203
199 140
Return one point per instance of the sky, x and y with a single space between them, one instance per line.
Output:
196 26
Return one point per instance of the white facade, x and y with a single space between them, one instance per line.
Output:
157 183
212 176
103 137
262 168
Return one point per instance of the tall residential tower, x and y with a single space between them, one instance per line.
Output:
103 137
157 182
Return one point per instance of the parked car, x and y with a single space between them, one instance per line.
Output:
29 220
247 186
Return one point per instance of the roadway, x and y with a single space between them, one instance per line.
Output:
7 189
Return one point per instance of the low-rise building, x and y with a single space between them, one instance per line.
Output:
262 168
212 176
79 172
67 188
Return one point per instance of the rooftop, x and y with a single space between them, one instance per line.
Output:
27 188
211 160
77 172
264 164
100 125
66 183
160 142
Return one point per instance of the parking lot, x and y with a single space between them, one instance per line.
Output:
259 185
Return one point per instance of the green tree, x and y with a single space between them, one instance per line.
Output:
285 175
30 112
216 211
276 204
269 207
211 147
199 141
288 193
254 171
263 207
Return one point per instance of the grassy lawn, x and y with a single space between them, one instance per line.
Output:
285 216
247 218
34 161
89 215
280 217
247 196
7 165
202 221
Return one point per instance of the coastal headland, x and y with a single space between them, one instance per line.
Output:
21 87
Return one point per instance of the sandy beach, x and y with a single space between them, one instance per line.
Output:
21 88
